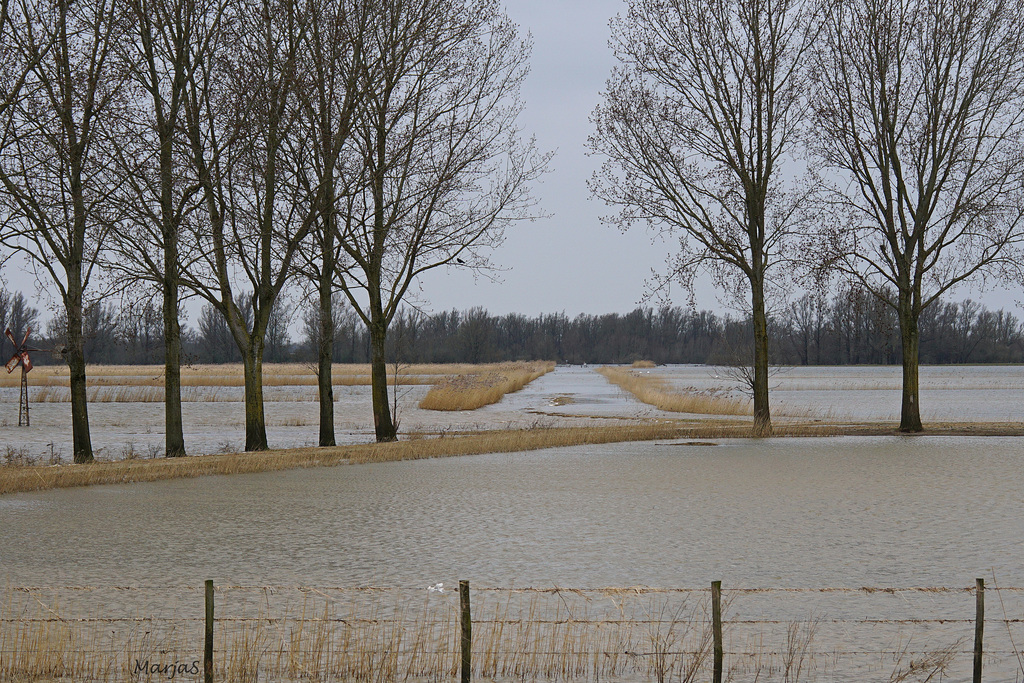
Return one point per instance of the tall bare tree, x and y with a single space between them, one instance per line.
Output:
436 165
920 108
168 39
54 161
330 93
241 118
699 118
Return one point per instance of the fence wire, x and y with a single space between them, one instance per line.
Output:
300 633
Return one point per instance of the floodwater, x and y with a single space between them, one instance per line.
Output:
292 415
845 511
786 513
571 395
982 393
803 513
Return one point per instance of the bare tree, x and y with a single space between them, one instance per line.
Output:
17 59
16 315
168 39
439 169
698 120
329 95
54 161
920 107
241 118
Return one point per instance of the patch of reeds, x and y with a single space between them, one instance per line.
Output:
644 364
128 394
655 391
291 634
368 635
472 390
201 383
231 375
153 394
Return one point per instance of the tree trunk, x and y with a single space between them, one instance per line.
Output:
762 414
174 436
255 422
910 412
383 425
81 439
325 352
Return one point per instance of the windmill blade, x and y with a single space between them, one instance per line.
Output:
11 337
25 361
13 363
27 332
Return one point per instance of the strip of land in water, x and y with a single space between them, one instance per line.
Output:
15 479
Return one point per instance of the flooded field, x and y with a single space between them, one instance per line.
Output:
791 515
862 551
571 395
948 393
843 511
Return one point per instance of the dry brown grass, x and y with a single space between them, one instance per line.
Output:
230 375
375 634
363 635
487 385
37 477
644 364
200 383
127 394
23 474
656 392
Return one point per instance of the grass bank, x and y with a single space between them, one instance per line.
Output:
38 477
17 478
655 391
487 385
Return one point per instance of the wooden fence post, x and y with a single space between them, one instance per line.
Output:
467 632
979 629
716 624
208 648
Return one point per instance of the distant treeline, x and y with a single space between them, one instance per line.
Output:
852 328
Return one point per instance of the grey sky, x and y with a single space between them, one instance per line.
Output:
569 262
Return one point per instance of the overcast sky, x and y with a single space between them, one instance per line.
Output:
572 262
569 262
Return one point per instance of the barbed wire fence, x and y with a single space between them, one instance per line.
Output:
297 633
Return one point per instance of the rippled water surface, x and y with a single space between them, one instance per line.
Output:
782 512
778 513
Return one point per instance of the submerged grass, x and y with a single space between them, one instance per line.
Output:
487 385
655 391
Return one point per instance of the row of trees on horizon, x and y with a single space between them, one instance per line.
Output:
850 329
236 150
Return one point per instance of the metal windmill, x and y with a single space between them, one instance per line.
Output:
21 358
